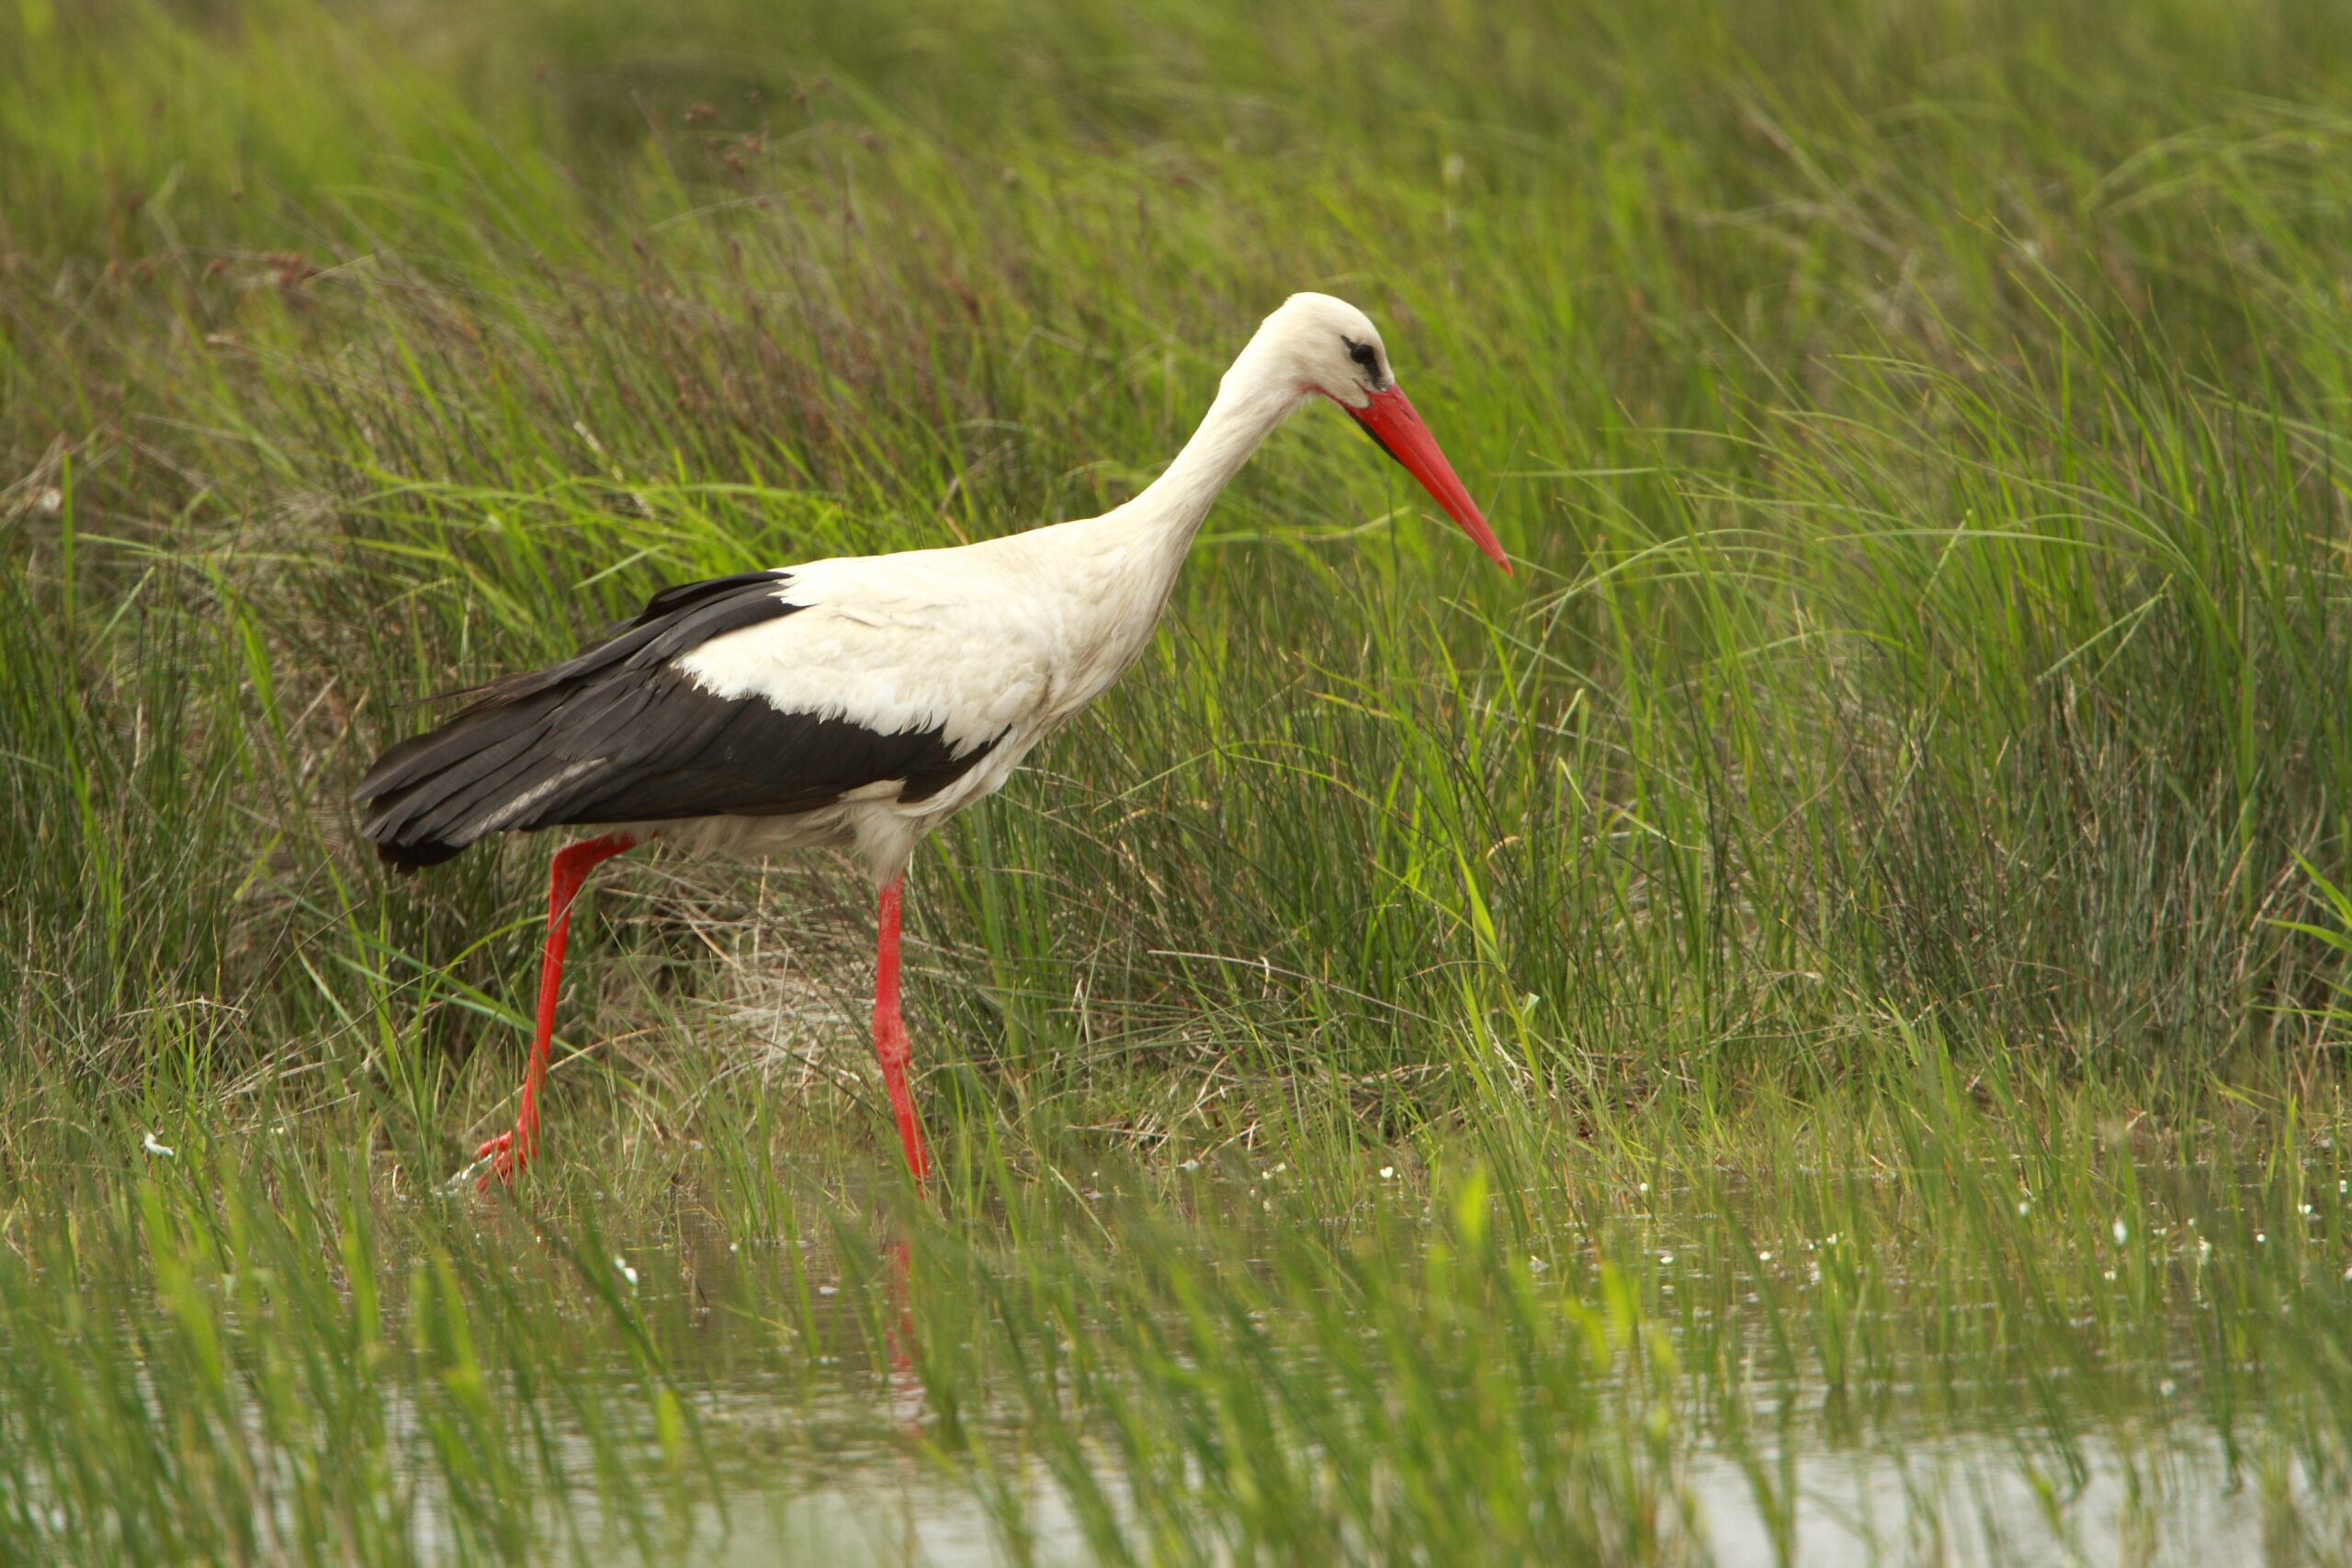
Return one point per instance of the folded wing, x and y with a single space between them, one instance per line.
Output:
712 702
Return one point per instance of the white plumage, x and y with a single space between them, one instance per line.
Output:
861 701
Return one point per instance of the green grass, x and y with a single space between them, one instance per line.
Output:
260 1350
1900 801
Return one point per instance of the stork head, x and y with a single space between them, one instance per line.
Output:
1321 346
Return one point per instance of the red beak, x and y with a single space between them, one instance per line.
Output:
1389 419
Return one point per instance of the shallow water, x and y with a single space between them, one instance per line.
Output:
1973 1499
1918 1459
2136 1487
1221 1370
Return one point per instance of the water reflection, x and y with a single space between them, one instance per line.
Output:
907 1403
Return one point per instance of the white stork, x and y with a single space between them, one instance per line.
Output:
860 701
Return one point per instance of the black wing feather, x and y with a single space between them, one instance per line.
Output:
617 734
673 621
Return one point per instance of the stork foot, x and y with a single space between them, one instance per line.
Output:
501 1160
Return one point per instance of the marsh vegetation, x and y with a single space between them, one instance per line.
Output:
1809 1022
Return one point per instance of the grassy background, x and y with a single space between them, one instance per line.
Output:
1895 814
1919 423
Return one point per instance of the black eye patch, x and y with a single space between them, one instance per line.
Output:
1361 352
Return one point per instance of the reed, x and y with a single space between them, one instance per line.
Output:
1896 816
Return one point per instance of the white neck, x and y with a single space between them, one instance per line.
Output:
1114 572
1162 522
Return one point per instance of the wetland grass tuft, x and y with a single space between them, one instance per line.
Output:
1808 1024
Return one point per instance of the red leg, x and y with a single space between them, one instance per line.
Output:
890 1036
510 1151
